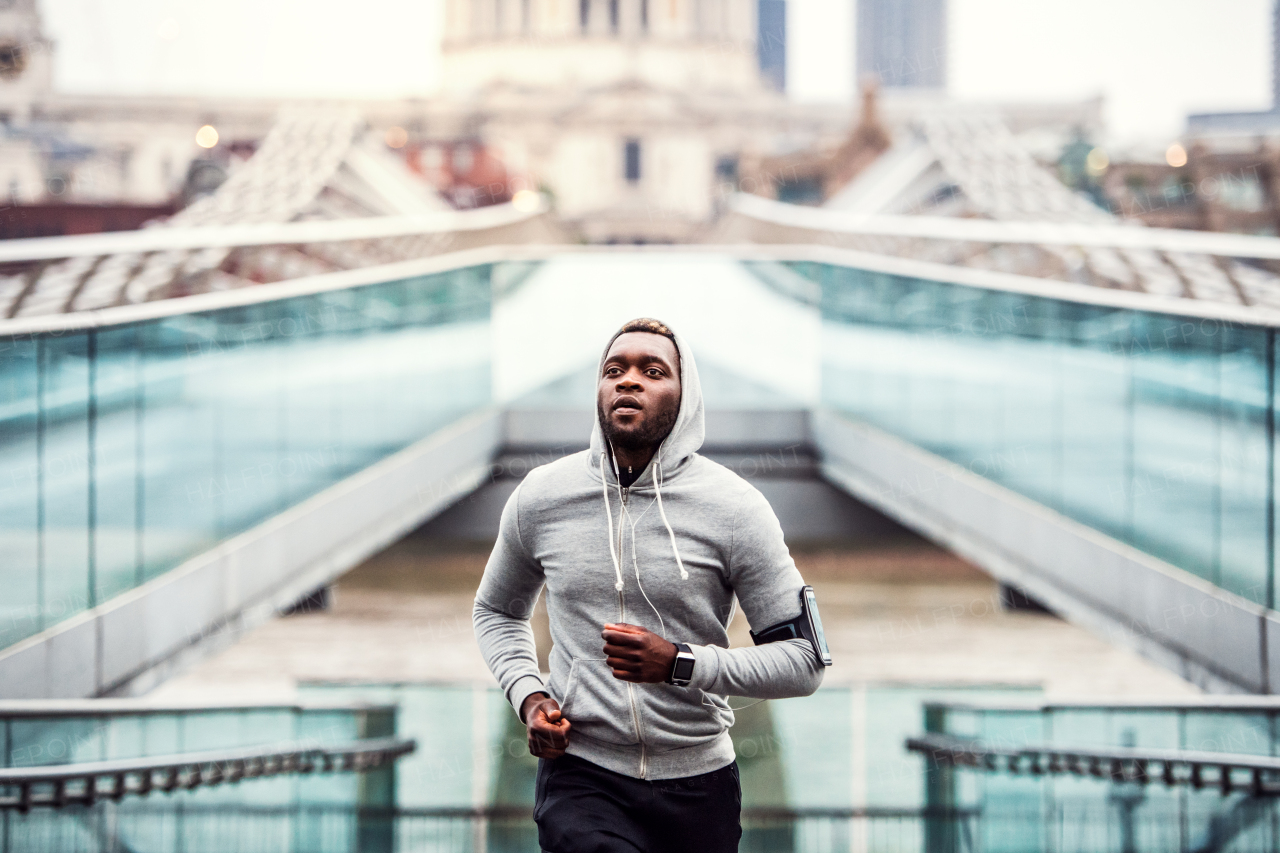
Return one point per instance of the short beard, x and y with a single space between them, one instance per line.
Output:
650 436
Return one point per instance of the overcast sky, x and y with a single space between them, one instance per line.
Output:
1153 60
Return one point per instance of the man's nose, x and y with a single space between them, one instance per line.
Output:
630 381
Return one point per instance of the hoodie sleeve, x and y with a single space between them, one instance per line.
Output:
510 587
767 584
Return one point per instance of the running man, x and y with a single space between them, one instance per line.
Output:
644 548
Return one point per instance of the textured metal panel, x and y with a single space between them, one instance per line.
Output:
246 579
25 670
757 428
1271 631
124 631
179 613
1207 634
72 655
568 428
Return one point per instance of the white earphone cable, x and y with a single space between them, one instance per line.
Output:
608 511
657 486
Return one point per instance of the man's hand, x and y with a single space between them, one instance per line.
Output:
548 729
637 654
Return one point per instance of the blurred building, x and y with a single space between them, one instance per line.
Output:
907 155
596 44
1223 175
73 165
1211 190
1234 125
812 176
629 112
26 66
637 118
903 43
26 60
771 42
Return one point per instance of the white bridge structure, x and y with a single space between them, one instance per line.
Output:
321 194
303 368
961 189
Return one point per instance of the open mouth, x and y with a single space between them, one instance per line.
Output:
626 406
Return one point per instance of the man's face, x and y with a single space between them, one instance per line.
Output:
639 391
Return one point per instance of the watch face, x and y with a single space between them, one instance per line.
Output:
684 669
816 621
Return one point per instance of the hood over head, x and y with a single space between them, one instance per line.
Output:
686 435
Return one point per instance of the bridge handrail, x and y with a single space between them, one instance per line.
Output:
992 231
1220 702
47 709
260 234
1192 309
137 776
1119 764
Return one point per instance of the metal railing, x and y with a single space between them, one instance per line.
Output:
261 234
523 254
50 276
216 828
1172 767
85 783
1232 269
992 231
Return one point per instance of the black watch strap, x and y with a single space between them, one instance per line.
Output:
682 666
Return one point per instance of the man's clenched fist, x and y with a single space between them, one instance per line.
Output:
548 729
637 654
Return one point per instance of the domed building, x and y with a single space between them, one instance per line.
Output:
636 117
632 114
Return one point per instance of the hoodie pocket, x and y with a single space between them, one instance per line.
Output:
597 704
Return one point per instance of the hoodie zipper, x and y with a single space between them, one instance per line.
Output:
631 693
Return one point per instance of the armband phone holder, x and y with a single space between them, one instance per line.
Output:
807 626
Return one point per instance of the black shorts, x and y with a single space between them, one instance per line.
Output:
582 808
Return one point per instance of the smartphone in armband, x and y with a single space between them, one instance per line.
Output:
808 626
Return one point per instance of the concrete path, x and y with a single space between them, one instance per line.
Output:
909 613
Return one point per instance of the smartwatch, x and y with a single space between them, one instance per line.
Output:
682 668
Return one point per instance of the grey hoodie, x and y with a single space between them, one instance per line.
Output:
670 554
